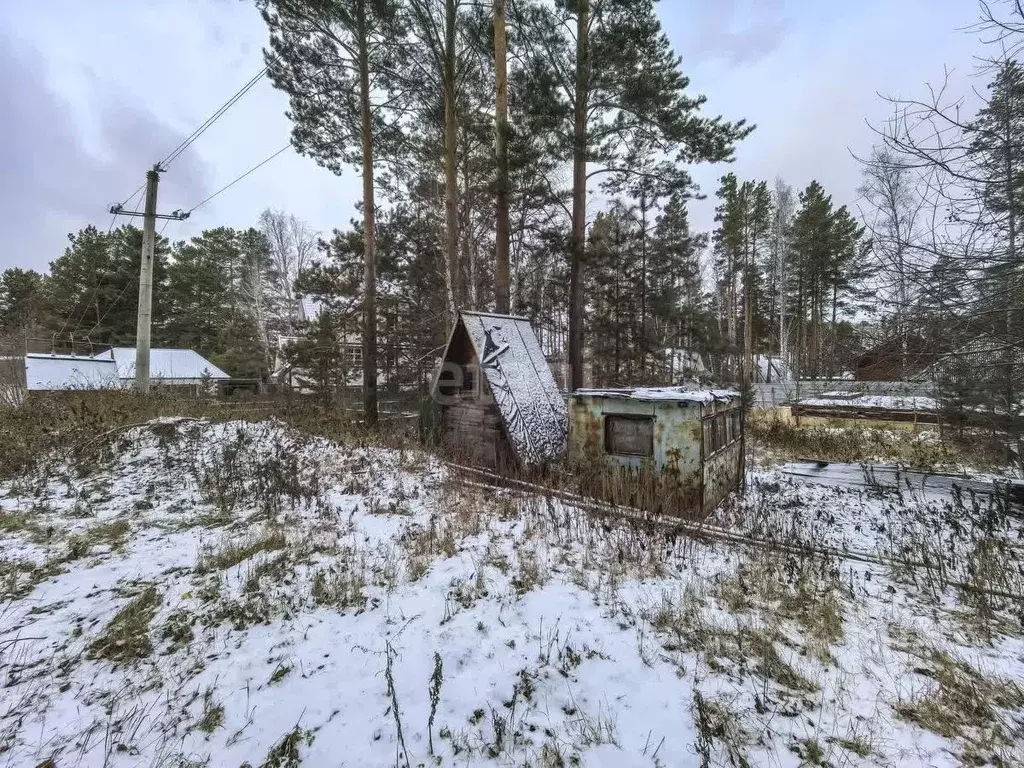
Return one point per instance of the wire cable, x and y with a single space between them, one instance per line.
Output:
251 170
189 140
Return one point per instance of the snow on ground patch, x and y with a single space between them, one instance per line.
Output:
217 594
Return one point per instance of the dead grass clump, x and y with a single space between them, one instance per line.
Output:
439 538
683 621
533 570
19 577
843 442
126 638
274 569
285 754
112 534
761 646
231 553
962 702
340 586
18 522
717 724
782 586
213 713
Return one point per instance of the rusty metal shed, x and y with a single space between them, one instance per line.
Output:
693 438
500 406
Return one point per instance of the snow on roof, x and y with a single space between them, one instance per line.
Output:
69 372
521 382
667 394
168 365
310 309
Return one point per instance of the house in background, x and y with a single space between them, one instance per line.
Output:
686 365
181 369
895 359
770 370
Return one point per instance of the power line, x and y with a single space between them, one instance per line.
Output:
99 283
251 170
188 141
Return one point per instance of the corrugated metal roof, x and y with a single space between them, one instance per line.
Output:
115 368
168 365
667 394
521 382
45 373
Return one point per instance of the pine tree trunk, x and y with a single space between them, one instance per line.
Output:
579 198
502 271
451 191
468 255
369 233
832 354
643 282
748 331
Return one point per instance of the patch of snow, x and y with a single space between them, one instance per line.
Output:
554 630
880 402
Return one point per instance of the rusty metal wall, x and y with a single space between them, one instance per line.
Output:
677 433
722 475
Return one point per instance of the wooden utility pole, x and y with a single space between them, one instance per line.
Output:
145 313
502 299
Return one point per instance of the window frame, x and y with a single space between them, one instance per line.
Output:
608 417
721 430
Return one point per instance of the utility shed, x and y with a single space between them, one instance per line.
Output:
690 440
499 403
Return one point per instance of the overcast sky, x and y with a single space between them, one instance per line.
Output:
95 92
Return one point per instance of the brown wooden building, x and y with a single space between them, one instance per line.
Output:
500 406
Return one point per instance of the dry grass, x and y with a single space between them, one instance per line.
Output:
785 440
341 586
126 638
962 703
718 724
213 713
230 553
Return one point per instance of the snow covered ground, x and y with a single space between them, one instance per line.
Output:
881 402
189 594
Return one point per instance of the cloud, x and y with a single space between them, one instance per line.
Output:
736 32
51 180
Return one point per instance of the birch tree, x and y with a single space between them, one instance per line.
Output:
334 60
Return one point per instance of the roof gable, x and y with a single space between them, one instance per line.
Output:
67 372
168 364
524 390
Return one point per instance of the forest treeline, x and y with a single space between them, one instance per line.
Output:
227 293
534 157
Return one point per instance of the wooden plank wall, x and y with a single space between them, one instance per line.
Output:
472 430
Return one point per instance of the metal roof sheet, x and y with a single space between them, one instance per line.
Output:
666 394
168 365
69 372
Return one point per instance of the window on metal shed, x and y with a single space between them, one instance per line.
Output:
629 435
